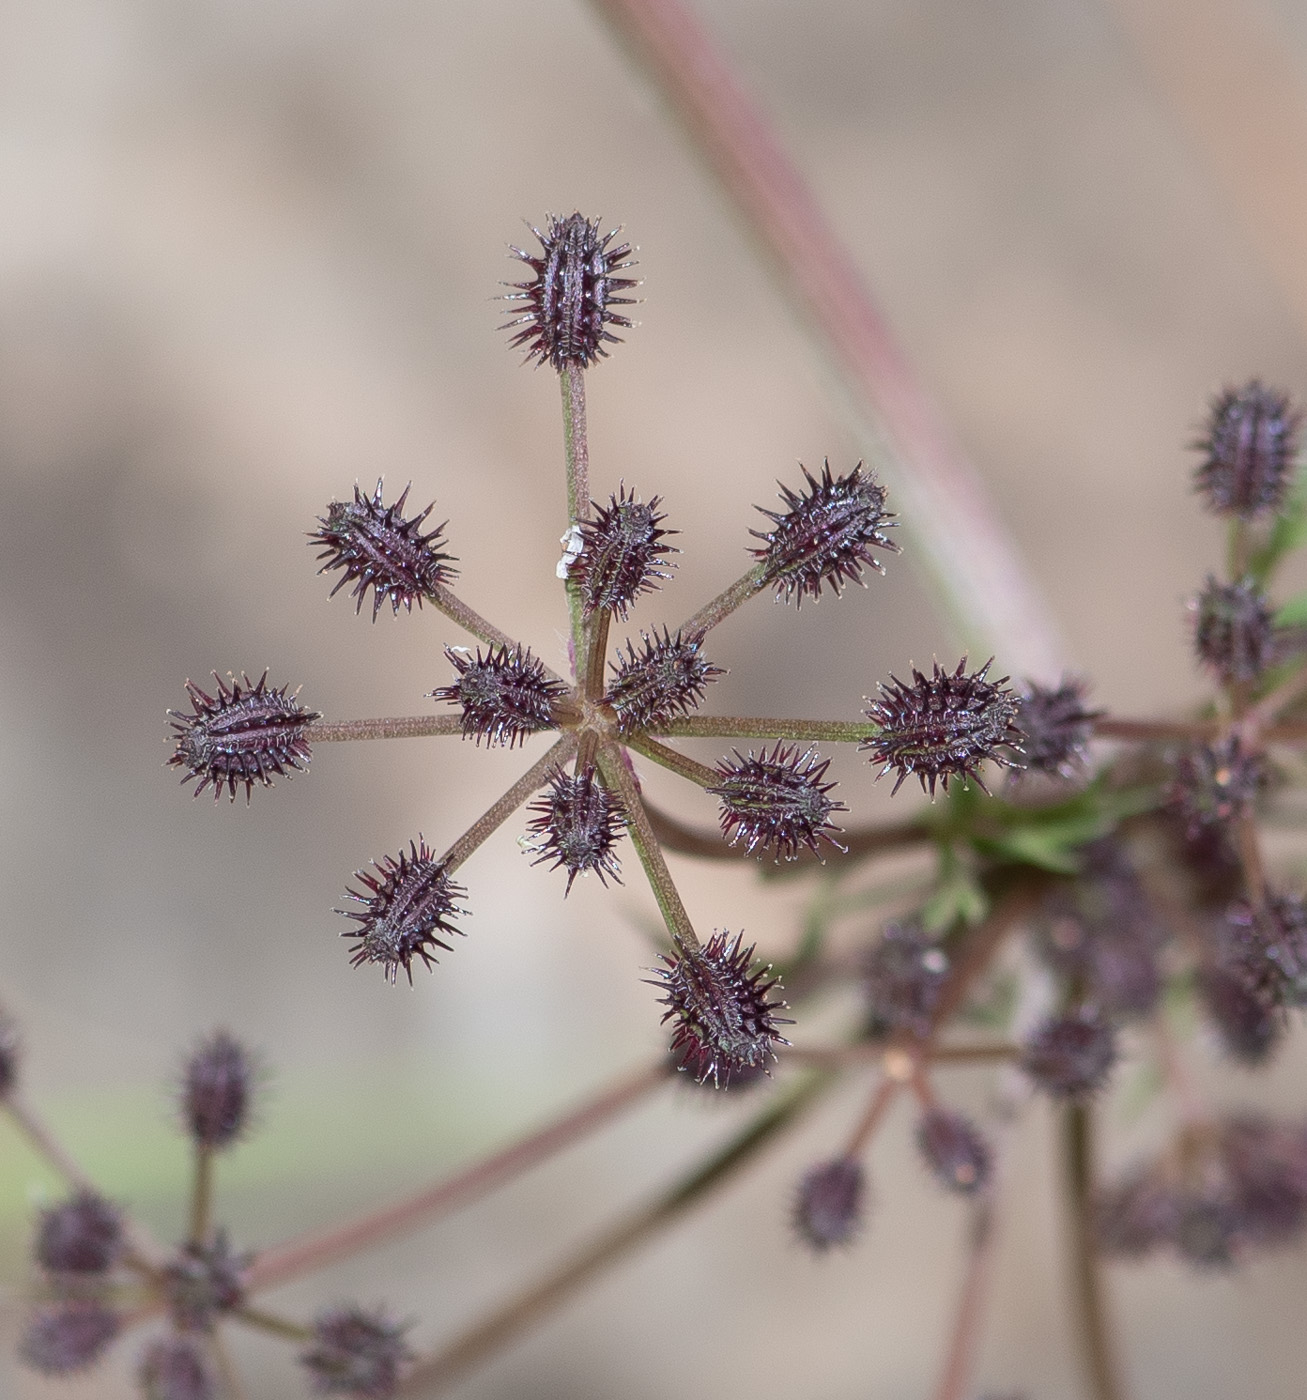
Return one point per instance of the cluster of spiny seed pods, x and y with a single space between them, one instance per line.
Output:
774 799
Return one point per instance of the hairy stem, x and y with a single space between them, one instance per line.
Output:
535 777
474 623
833 731
533 1304
724 604
1101 1364
202 1195
643 837
678 763
576 451
968 552
342 731
316 1251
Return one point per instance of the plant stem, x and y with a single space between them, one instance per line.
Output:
861 841
968 552
474 623
679 763
316 1251
576 452
850 1056
535 777
1269 706
399 727
618 780
724 604
1101 1364
229 1378
202 1195
274 1325
1146 731
955 1378
833 731
884 1094
533 1304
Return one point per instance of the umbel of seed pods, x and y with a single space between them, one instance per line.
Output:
95 1279
723 1005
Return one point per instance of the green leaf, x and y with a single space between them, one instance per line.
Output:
959 897
1288 532
1293 613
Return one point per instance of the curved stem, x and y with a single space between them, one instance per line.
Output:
535 777
536 1302
286 1261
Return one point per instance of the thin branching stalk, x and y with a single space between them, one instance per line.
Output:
678 763
964 1338
274 1325
850 1056
576 452
534 778
617 779
202 1195
458 611
725 603
529 1307
834 731
287 1261
400 727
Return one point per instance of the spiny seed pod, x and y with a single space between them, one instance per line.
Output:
68 1336
83 1235
377 548
622 554
828 1205
406 905
505 694
944 726
718 998
1216 784
174 1368
1266 1163
954 1150
202 1282
661 681
577 824
216 1091
1250 444
356 1352
1135 1216
1269 946
905 974
1206 1227
825 534
1070 1056
1249 1023
569 300
1056 727
10 1048
777 801
1234 632
244 734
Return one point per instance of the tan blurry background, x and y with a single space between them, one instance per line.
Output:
247 256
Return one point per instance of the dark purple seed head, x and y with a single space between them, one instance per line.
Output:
567 304
1249 447
659 681
10 1054
944 726
244 734
1216 784
83 1235
1207 1231
376 547
825 534
1136 1215
174 1368
719 1000
406 905
68 1336
356 1351
954 1150
505 694
777 801
1070 1056
1234 632
217 1089
1266 1165
622 554
577 825
828 1206
905 974
202 1282
1057 728
1248 1022
1268 946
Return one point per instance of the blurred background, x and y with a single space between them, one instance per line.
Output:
248 256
